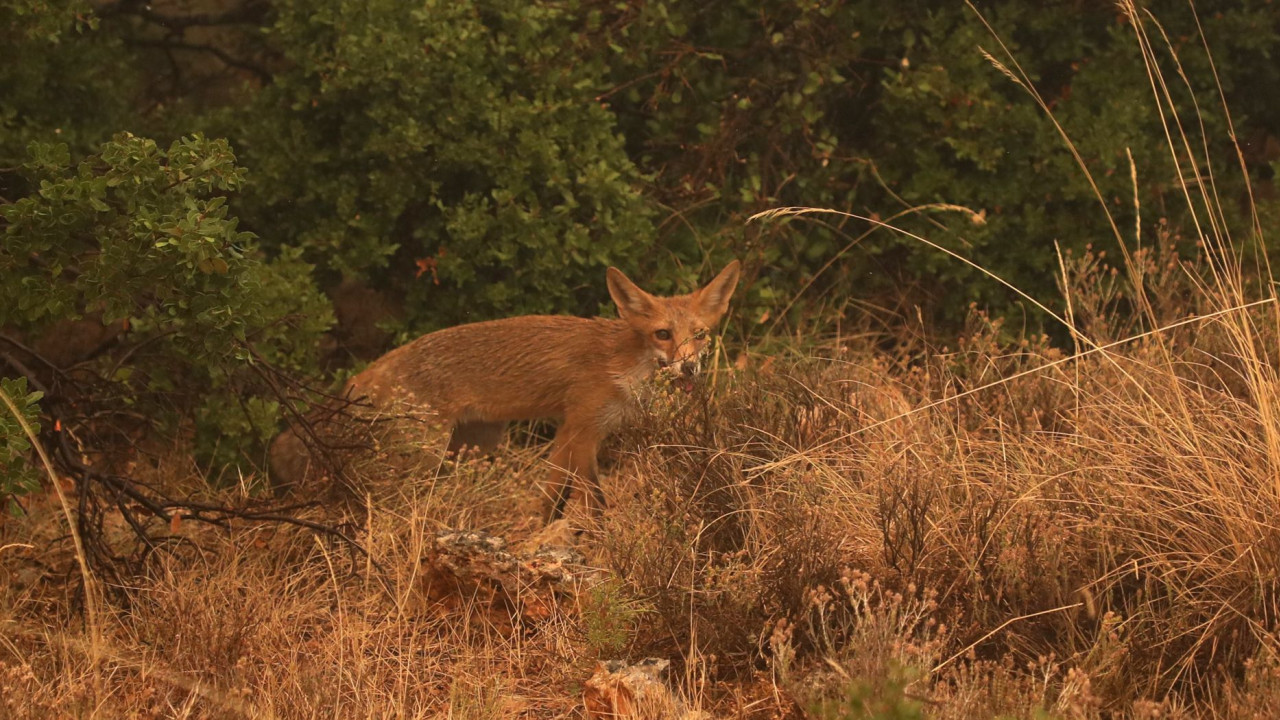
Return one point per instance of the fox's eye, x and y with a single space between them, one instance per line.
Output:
662 334
700 335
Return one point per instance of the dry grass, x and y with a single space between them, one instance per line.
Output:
270 622
856 534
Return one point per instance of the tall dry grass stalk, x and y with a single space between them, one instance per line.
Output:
91 593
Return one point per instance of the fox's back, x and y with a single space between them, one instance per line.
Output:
516 368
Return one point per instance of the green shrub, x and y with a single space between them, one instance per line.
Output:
140 238
609 617
452 152
61 81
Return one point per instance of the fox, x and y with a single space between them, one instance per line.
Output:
583 373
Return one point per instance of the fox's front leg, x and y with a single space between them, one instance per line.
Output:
574 456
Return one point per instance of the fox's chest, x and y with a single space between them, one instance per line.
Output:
629 389
633 380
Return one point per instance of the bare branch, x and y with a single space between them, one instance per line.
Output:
251 12
262 74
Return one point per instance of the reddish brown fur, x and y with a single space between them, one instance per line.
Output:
582 372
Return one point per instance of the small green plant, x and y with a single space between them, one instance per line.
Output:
477 699
609 617
880 698
17 476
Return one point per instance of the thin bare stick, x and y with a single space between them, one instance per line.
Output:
796 211
1000 627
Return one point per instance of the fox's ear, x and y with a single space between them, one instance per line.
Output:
630 299
714 298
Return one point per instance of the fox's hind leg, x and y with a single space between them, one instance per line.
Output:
482 437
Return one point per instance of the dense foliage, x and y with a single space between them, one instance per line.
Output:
490 157
447 150
880 109
63 80
138 240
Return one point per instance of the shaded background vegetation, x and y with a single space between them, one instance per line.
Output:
185 188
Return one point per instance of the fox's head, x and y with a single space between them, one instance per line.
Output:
675 329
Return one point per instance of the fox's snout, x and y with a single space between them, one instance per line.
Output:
682 372
687 368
